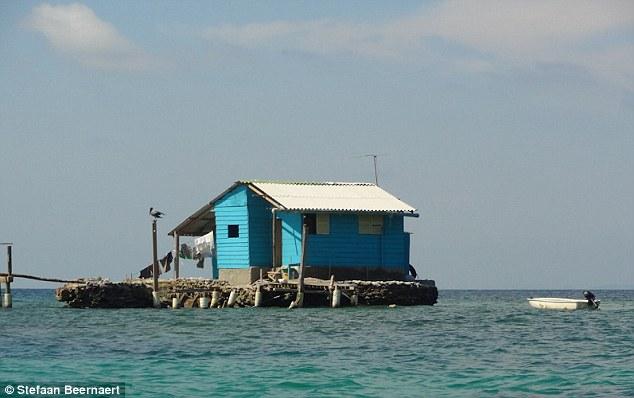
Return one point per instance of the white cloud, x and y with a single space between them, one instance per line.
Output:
526 31
516 33
320 37
76 30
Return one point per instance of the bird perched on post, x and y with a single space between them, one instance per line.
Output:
155 213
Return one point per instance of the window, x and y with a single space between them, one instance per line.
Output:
371 224
323 223
318 223
233 231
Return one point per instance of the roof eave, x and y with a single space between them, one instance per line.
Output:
406 213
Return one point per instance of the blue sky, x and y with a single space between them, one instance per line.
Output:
508 124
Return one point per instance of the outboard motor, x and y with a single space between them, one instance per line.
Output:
592 299
412 271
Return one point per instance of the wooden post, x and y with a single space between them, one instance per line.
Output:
203 302
9 261
233 296
215 299
302 265
273 241
1 296
7 301
354 298
258 297
336 297
155 268
331 287
176 255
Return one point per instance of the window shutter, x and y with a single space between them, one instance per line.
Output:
323 223
377 224
371 224
364 223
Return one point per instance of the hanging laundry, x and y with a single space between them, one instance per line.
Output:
204 245
146 272
166 262
185 252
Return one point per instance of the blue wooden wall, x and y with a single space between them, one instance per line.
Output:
260 231
232 209
343 246
291 237
243 207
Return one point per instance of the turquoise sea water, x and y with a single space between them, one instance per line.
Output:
471 344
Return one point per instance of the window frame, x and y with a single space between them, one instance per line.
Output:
371 224
233 231
317 223
322 224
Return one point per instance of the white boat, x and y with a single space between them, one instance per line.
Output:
565 304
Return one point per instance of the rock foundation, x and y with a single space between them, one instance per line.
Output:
138 293
105 295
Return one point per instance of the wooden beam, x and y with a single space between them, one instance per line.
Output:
299 301
39 278
176 255
273 240
302 264
9 272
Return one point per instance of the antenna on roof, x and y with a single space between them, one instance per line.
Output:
373 156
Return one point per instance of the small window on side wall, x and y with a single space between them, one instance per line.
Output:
233 231
370 224
317 223
323 223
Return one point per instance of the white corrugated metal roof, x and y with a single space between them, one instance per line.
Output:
331 196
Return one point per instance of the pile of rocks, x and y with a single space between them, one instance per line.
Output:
104 294
396 292
190 285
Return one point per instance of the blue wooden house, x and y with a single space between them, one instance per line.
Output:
354 230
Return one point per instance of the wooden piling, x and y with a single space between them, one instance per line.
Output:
354 299
7 301
302 264
273 240
176 255
258 296
203 302
215 299
2 280
233 296
155 268
331 286
336 297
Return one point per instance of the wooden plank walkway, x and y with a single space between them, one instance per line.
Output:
310 286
